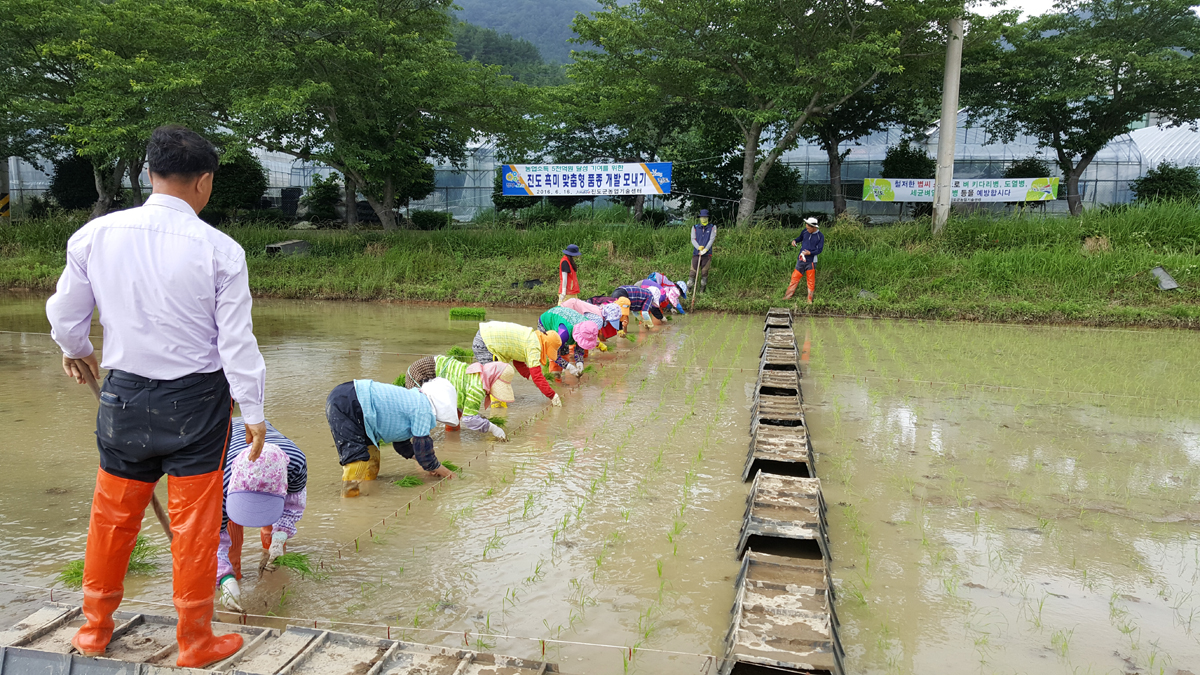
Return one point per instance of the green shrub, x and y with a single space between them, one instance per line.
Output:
74 183
1168 182
322 198
238 185
431 220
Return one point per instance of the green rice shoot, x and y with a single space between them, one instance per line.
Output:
461 354
139 563
587 369
632 338
399 381
409 481
299 562
467 313
452 466
499 421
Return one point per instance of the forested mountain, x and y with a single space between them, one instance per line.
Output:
515 56
546 24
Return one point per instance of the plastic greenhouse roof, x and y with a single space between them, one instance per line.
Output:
972 142
1177 145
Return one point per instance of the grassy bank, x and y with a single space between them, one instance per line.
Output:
1092 270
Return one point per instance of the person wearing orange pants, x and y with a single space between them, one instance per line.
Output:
811 243
174 300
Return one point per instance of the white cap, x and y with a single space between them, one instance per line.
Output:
812 221
442 395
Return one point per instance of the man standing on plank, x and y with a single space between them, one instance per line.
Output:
174 302
703 237
812 242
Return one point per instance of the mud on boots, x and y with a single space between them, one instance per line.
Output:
811 242
365 414
166 404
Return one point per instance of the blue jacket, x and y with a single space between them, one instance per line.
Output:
814 243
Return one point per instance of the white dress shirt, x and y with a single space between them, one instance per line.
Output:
173 295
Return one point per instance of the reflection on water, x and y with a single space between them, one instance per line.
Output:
1002 499
1010 499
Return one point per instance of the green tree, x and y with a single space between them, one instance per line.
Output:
905 161
239 184
375 92
1168 182
73 74
770 66
1077 78
1030 167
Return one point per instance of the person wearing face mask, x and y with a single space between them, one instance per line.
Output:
704 234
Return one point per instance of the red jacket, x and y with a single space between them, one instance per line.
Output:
571 282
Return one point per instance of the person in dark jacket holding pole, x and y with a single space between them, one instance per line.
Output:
704 234
811 243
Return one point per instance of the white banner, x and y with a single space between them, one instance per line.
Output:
614 178
972 190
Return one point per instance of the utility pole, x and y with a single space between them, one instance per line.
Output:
949 127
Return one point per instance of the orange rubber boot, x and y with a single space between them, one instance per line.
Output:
796 275
118 505
812 284
195 506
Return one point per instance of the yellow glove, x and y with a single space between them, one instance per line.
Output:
602 347
620 333
499 404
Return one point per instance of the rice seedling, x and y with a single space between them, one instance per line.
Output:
494 543
139 563
410 481
302 564
399 381
452 466
499 421
461 354
467 314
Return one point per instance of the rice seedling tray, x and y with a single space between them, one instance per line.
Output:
144 644
783 451
783 618
779 383
785 516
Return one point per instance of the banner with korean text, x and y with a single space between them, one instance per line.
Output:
980 190
551 180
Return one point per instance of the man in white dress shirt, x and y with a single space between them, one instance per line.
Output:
179 348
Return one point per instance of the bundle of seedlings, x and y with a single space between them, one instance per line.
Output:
467 313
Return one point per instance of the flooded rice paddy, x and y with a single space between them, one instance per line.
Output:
1002 499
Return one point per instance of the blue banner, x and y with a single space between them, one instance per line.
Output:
587 180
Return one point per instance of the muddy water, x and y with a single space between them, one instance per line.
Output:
1002 499
611 520
1010 499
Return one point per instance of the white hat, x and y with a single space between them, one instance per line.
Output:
444 398
813 222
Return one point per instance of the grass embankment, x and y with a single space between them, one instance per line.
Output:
993 269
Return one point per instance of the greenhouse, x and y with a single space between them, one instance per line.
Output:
1174 145
467 190
977 154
